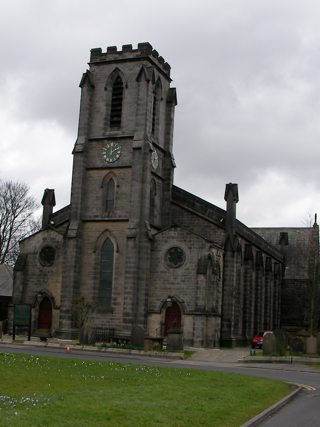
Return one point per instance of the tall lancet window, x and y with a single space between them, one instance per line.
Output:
116 103
110 193
153 193
106 273
154 113
157 96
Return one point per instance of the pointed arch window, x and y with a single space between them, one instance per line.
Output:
106 273
116 103
155 112
153 193
110 195
156 108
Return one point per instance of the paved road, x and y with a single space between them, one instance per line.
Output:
302 411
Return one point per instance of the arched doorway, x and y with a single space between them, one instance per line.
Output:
172 318
45 314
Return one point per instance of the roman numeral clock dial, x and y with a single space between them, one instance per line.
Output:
111 152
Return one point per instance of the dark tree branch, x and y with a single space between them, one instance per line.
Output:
16 218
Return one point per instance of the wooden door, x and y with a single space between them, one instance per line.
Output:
172 318
45 314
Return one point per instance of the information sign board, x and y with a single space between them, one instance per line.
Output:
22 314
22 317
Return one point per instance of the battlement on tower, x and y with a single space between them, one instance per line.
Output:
144 50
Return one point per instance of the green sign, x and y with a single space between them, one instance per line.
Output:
22 314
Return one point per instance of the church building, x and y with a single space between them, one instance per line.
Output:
143 254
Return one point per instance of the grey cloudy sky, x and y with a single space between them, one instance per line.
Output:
248 83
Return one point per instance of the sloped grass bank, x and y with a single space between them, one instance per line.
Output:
43 391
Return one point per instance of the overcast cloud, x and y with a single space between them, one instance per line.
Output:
248 84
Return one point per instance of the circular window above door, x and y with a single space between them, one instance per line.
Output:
47 256
175 257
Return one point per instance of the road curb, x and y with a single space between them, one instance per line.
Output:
292 360
258 419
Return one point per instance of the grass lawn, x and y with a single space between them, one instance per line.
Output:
43 391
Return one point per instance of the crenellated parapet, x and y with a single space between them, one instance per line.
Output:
144 51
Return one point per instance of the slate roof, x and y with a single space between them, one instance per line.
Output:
217 215
296 251
6 280
61 216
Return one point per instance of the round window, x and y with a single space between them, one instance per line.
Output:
47 256
175 257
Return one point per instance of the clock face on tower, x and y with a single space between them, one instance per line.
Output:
154 159
111 152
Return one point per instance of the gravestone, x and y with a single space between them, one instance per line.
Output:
269 345
281 342
137 338
175 340
311 345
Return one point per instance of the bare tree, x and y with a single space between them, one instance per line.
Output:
82 312
17 219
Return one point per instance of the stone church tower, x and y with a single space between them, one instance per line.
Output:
147 256
122 175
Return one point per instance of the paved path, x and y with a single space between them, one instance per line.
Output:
219 356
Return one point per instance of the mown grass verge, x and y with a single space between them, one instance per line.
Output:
43 391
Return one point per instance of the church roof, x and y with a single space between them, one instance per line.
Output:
61 216
198 205
217 216
296 247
